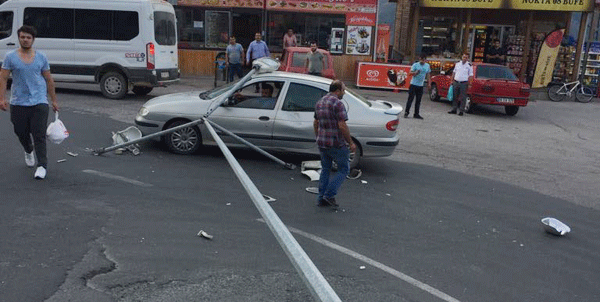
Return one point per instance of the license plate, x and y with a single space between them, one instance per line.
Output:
164 74
505 100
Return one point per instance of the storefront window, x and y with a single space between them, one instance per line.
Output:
217 28
307 27
438 37
190 25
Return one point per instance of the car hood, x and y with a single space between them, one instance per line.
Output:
169 99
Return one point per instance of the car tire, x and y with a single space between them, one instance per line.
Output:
354 157
511 110
434 95
141 90
184 141
469 105
113 85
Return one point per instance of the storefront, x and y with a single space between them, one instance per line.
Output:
344 27
443 30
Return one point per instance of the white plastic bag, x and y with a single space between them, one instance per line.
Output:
57 132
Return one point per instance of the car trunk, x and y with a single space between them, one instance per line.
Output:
502 88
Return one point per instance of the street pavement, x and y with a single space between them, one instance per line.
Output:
442 211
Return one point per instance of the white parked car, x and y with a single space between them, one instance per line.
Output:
282 121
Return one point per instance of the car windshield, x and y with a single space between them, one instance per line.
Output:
495 72
358 96
217 91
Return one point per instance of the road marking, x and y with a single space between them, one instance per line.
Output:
381 266
117 177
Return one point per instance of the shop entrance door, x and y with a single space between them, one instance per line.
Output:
482 36
244 26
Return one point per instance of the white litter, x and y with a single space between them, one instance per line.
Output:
312 169
269 198
61 160
313 190
555 226
204 235
228 204
354 174
72 154
362 267
363 181
312 174
388 194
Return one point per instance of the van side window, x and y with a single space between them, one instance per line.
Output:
126 25
50 22
302 98
93 24
6 22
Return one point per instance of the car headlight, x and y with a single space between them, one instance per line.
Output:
143 111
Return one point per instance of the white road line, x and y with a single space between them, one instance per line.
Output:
381 266
117 177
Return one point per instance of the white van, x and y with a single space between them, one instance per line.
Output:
120 44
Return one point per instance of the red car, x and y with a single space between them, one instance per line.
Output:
492 85
294 60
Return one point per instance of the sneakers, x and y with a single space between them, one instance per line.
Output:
322 203
30 159
40 173
331 201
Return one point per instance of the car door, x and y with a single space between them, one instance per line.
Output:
293 129
250 114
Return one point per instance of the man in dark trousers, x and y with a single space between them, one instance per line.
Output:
462 76
419 71
32 83
334 141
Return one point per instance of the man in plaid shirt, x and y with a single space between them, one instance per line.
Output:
333 139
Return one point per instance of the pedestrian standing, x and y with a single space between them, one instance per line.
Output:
462 76
256 50
315 60
334 141
31 85
419 71
289 39
234 56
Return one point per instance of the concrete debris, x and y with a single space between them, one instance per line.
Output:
61 160
203 234
72 154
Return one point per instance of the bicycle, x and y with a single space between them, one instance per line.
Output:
582 93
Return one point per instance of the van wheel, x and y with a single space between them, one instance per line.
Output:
141 90
113 85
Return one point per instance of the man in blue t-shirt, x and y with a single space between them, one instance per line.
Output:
32 83
419 71
234 56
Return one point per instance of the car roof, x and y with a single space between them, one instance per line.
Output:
304 49
293 76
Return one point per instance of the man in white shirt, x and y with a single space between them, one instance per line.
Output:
462 76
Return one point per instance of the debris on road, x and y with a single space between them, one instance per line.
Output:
312 174
126 135
269 198
312 169
362 267
555 226
72 154
354 174
204 235
363 181
313 190
61 160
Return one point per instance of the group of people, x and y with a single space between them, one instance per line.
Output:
235 55
462 75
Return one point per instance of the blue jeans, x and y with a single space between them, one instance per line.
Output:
235 69
328 187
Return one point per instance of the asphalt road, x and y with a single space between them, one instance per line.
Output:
457 209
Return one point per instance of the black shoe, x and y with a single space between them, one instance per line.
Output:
460 113
417 117
452 111
331 201
405 114
322 203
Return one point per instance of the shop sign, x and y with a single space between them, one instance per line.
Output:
223 3
358 41
547 59
361 19
388 76
383 43
555 5
324 6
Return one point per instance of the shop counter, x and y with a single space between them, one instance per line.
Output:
382 75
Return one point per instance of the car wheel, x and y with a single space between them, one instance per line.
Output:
354 157
511 110
468 105
433 93
141 90
183 141
113 85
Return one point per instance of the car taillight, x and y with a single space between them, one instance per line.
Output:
150 56
392 125
487 88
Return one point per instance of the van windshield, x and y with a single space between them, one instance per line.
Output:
164 28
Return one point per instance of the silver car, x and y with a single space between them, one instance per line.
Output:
274 111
